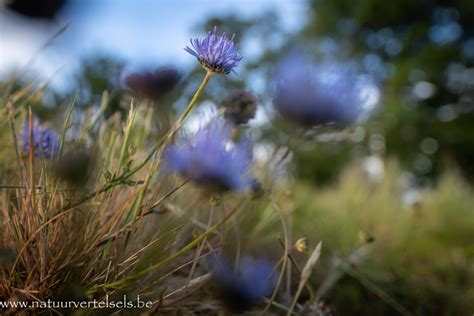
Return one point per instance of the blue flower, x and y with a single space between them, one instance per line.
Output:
153 84
216 53
46 142
315 95
211 159
242 288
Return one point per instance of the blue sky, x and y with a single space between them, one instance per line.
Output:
140 31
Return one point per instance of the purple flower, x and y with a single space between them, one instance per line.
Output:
242 288
216 53
314 95
211 159
153 84
45 141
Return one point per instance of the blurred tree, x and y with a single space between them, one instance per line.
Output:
98 74
421 52
424 51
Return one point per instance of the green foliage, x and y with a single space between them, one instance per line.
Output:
99 74
394 42
312 163
422 254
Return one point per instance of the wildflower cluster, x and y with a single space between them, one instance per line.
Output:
84 194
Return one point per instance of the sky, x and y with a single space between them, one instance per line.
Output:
138 31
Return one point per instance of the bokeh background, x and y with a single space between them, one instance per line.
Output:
420 53
404 174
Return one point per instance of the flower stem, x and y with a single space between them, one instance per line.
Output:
190 107
176 125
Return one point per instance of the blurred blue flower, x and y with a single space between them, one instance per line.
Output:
315 95
211 159
46 142
153 84
216 53
242 288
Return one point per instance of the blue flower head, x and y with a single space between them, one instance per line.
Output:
153 84
211 159
217 53
242 288
313 95
45 141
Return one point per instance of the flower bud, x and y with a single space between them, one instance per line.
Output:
240 107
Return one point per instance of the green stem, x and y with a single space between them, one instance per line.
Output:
176 126
195 98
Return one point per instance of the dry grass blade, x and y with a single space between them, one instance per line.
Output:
284 259
305 274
